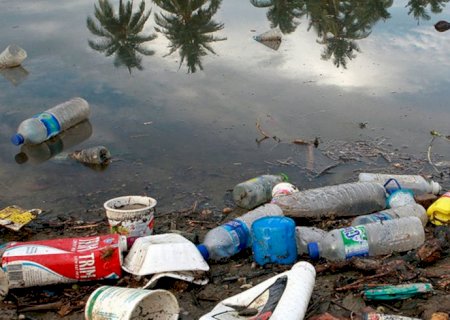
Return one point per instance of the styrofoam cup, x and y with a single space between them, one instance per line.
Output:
108 302
131 216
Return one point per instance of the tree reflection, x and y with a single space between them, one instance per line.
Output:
121 33
340 23
418 8
189 27
282 13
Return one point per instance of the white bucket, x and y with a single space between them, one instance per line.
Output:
117 303
131 216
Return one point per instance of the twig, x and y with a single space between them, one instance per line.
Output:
41 307
429 154
258 126
86 226
357 283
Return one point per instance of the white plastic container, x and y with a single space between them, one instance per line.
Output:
410 210
47 124
107 303
284 188
305 235
349 199
131 216
416 183
234 236
251 193
12 56
373 239
288 304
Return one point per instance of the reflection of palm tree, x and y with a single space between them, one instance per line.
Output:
121 33
282 13
419 11
189 28
339 23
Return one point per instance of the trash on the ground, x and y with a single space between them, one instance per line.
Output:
14 75
416 183
397 292
305 235
273 240
382 316
38 153
108 302
98 155
4 287
285 188
271 38
163 253
12 56
234 236
131 216
398 196
409 210
348 199
51 122
284 296
195 277
38 263
256 191
439 211
14 217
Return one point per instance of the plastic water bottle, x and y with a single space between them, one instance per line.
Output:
49 123
251 193
439 211
416 183
348 199
12 56
410 210
305 235
373 239
234 236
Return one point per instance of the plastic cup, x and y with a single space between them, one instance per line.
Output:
119 303
131 216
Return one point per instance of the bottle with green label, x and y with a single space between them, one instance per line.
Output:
373 239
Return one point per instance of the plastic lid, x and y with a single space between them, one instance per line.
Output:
17 139
435 188
204 251
313 250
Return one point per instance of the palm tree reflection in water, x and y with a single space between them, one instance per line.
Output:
121 33
189 27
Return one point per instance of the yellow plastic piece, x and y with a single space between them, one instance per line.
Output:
439 211
14 217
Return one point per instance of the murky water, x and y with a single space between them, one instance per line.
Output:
181 108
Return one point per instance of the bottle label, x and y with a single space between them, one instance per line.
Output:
50 122
239 233
355 241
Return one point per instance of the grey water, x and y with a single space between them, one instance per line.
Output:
183 96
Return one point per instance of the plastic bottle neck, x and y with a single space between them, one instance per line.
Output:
17 139
204 251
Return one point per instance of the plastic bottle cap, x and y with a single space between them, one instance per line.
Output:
435 187
17 139
204 251
313 250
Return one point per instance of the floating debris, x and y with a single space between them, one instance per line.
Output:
96 155
271 38
14 217
12 56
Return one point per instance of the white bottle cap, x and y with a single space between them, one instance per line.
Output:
435 188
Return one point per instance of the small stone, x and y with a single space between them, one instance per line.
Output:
227 210
246 286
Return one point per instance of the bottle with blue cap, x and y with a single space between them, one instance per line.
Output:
373 239
234 236
51 122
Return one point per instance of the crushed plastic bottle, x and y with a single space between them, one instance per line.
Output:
234 236
12 56
305 235
254 192
410 210
99 155
416 183
349 199
439 211
47 124
373 239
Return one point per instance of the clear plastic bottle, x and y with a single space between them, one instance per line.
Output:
12 56
251 193
373 239
410 210
230 238
348 199
305 235
416 183
51 122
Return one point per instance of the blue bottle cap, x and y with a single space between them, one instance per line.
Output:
313 250
204 251
17 139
